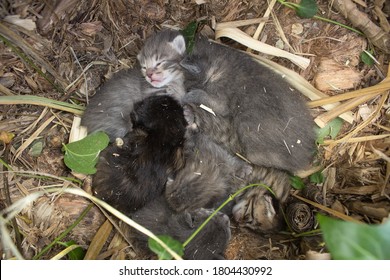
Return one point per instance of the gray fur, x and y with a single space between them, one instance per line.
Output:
211 174
268 121
208 176
109 109
209 244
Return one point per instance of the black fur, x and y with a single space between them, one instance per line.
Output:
129 176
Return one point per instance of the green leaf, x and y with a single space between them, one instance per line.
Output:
317 178
366 57
82 156
162 254
331 129
307 8
75 254
352 241
297 182
189 35
36 148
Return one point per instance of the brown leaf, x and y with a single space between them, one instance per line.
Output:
98 241
91 28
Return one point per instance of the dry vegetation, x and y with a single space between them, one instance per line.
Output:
65 49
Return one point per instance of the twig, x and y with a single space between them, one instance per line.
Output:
377 36
5 90
239 23
261 25
328 210
384 85
33 137
380 89
357 139
18 237
323 119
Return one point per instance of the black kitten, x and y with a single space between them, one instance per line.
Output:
131 175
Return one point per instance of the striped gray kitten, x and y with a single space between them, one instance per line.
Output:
110 108
211 174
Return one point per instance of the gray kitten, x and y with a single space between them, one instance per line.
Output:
267 120
110 108
209 244
211 174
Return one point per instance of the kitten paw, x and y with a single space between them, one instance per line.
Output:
190 118
245 170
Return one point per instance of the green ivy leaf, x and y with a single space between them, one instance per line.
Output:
352 241
367 58
297 182
307 8
81 156
317 178
162 254
189 35
331 129
77 253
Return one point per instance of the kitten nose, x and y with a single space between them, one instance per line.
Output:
149 72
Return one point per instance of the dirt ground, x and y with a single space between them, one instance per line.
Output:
65 49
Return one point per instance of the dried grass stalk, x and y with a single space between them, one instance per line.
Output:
328 210
244 39
302 85
370 91
239 23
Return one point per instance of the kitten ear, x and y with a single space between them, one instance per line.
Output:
190 66
179 44
188 219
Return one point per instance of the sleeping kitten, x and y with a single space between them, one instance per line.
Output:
211 174
159 60
132 178
266 119
110 108
131 175
271 122
159 218
257 208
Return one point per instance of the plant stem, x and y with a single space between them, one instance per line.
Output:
307 233
295 6
221 206
42 101
62 235
340 24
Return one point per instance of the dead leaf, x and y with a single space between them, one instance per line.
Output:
91 28
26 23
